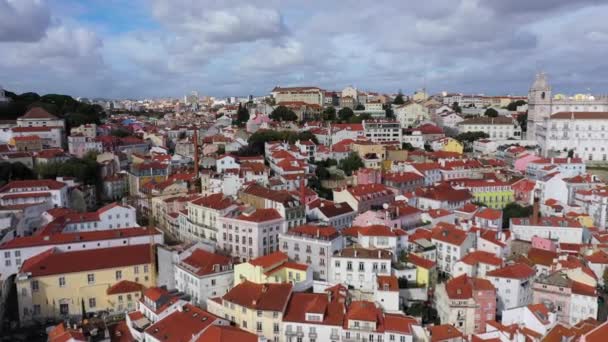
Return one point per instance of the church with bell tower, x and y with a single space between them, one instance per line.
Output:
543 104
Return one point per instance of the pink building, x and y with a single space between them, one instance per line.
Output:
368 176
396 215
521 162
544 244
523 191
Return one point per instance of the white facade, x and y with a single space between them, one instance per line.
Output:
561 230
584 133
496 128
35 191
315 251
448 254
410 114
79 145
382 130
542 104
512 292
358 267
246 239
202 287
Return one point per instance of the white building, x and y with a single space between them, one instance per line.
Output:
250 234
536 317
542 104
358 267
513 285
314 245
411 114
382 130
204 275
80 145
338 215
201 219
14 252
561 229
496 128
452 244
585 133
34 191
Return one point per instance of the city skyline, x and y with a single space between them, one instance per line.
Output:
166 48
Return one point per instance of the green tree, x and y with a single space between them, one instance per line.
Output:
427 147
605 277
407 146
522 120
345 114
456 107
359 118
513 210
258 139
329 114
282 113
491 112
120 132
359 107
514 104
351 163
469 137
389 113
242 115
399 100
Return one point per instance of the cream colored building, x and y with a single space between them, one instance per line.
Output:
274 268
309 95
56 285
257 308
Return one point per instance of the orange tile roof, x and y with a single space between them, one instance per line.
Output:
266 297
482 257
214 201
202 263
55 262
387 283
226 333
444 332
60 333
181 325
124 286
420 262
449 234
462 287
260 215
333 309
270 260
363 311
515 271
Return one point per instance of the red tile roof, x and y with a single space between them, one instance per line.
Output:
515 271
449 234
181 325
65 238
38 113
599 257
387 283
489 214
124 286
482 257
301 303
49 184
260 215
420 262
202 263
55 262
226 333
270 260
462 287
444 332
541 257
363 311
580 115
266 297
60 333
310 231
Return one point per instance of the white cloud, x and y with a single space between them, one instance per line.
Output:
23 20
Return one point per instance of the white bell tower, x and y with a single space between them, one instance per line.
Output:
539 104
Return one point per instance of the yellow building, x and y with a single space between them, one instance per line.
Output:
257 308
365 147
274 268
124 295
54 284
584 219
425 270
447 144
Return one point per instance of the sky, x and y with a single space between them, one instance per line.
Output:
167 48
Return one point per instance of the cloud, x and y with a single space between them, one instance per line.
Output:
233 22
23 20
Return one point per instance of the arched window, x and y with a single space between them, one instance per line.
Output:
542 95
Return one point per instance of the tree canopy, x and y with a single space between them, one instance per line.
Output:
399 100
522 120
513 210
469 137
345 114
258 139
14 171
242 115
85 170
282 113
491 112
351 163
359 106
456 107
514 104
74 112
329 114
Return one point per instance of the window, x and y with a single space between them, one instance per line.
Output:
259 326
275 328
92 302
36 309
64 309
136 269
118 275
35 286
145 268
61 281
91 278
